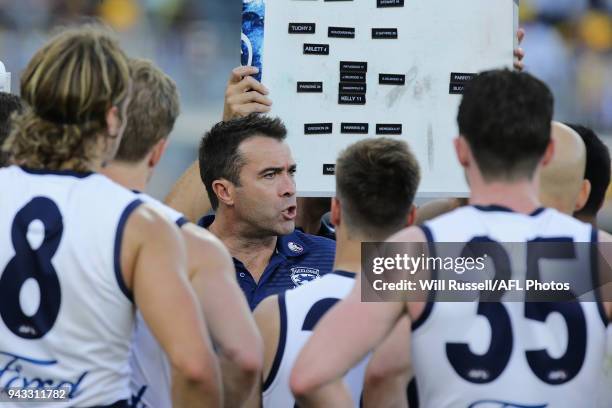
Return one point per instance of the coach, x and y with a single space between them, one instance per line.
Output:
248 171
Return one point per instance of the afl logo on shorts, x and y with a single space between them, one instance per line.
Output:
295 248
301 275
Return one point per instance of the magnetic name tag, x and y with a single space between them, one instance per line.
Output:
302 28
352 77
391 79
389 3
316 49
388 129
353 66
314 87
356 128
341 32
329 169
384 33
458 77
317 128
352 87
456 89
351 99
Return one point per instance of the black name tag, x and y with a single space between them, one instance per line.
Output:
388 129
352 87
310 87
329 169
355 128
458 77
341 32
316 49
384 33
351 99
302 28
317 128
353 66
456 89
389 3
391 79
352 77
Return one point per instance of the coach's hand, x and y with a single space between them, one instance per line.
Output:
519 53
244 94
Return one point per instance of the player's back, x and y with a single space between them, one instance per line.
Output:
150 379
300 310
67 315
512 353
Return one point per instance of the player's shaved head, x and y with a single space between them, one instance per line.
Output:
562 179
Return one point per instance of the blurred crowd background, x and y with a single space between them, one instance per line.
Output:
197 42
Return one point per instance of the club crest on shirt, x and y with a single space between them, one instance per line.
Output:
301 275
297 248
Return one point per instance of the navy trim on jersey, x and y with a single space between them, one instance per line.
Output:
346 274
181 221
118 239
595 275
71 173
501 208
282 339
431 295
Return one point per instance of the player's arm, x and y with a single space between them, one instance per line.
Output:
389 370
155 270
243 95
317 374
605 271
267 318
228 316
188 195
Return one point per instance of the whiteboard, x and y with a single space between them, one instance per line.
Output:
434 39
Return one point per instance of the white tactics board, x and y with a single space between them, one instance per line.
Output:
343 70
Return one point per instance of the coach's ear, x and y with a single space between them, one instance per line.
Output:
336 212
224 190
549 152
462 149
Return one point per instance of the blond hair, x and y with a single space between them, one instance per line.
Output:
153 109
69 86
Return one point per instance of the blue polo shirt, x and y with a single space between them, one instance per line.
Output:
299 258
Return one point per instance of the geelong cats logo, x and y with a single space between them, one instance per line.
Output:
301 275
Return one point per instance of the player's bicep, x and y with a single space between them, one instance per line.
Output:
160 285
267 318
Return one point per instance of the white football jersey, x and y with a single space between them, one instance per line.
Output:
66 314
300 310
151 373
512 354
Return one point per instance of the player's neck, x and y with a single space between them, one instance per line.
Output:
348 253
521 196
131 176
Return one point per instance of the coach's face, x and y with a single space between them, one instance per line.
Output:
265 198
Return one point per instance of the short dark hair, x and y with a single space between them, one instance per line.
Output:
219 156
597 169
152 111
506 116
9 103
376 181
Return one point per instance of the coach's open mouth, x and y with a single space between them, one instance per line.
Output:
290 212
